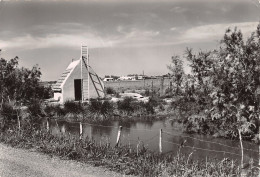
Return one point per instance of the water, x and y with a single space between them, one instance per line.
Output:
147 133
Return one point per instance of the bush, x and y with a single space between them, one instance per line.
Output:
125 106
130 106
110 90
8 115
54 110
73 107
35 108
100 108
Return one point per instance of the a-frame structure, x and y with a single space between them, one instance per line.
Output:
92 77
79 82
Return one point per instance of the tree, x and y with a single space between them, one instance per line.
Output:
19 84
177 72
226 83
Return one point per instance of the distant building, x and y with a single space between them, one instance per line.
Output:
108 79
78 82
126 78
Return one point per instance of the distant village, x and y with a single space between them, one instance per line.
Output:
111 78
132 77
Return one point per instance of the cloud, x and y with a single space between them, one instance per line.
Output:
215 31
173 28
178 9
124 38
55 40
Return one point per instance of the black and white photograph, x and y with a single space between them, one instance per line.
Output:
118 88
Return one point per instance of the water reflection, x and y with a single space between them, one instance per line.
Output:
147 133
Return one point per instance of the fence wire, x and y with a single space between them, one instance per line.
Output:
211 142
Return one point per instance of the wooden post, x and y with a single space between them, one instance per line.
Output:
242 150
118 135
160 141
63 129
47 125
80 130
19 122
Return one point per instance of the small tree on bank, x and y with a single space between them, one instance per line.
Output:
20 85
226 83
177 72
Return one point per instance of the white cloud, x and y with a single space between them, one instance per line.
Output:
215 31
69 40
126 37
173 28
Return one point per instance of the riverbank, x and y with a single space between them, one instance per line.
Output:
123 159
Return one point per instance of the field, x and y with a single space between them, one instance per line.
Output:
148 84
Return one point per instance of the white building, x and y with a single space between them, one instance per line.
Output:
108 79
78 82
126 78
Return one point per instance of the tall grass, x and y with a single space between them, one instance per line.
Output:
73 107
100 109
54 111
123 159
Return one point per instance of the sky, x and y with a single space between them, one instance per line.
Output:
123 36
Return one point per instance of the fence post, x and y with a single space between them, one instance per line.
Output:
80 130
19 122
118 135
242 150
47 125
160 141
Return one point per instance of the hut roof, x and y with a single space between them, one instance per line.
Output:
65 75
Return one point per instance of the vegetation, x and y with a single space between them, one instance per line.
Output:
72 107
124 159
100 109
221 96
20 85
110 90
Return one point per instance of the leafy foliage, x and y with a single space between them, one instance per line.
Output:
224 84
177 72
20 84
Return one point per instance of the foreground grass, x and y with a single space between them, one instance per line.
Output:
123 159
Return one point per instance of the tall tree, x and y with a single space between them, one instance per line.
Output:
177 72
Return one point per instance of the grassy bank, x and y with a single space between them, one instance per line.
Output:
124 159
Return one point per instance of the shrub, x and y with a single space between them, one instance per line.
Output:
130 106
100 108
54 110
110 90
73 107
8 115
35 108
125 106
149 107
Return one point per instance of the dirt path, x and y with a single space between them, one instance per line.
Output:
23 163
